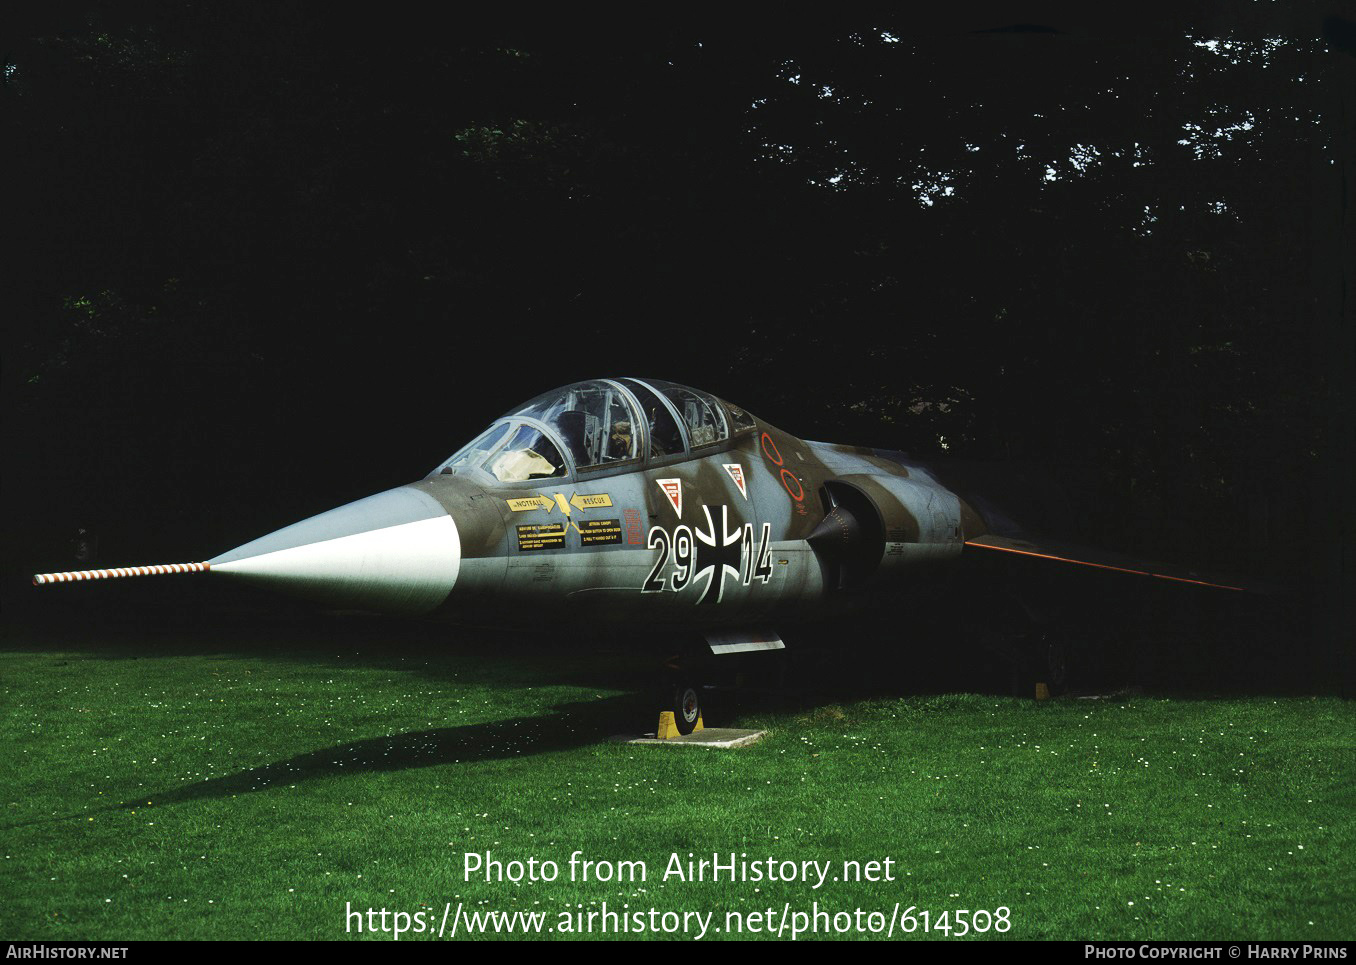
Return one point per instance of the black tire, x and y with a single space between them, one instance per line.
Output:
686 704
1057 656
1043 657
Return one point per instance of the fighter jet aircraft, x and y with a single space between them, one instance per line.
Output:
646 504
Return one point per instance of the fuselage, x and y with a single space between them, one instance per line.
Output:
726 520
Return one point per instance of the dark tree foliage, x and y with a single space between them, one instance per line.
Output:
264 258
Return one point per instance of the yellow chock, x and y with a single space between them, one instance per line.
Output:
1042 691
668 728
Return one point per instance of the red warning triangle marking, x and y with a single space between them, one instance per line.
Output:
736 472
673 488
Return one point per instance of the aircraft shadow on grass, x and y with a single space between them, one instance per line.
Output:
567 726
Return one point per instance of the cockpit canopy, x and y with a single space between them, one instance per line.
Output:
599 424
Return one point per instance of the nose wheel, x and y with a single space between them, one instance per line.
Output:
680 699
686 704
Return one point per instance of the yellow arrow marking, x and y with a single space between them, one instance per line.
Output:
525 504
597 501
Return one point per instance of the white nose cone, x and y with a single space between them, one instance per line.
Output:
397 551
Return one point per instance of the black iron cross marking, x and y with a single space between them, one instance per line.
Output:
717 555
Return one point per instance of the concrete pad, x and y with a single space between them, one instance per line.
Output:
707 737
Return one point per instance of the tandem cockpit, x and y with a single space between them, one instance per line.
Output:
601 424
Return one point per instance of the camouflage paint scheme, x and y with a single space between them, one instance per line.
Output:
750 531
696 550
748 534
704 582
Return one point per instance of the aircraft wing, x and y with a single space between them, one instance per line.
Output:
1106 560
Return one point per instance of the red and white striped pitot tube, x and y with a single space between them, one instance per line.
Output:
75 576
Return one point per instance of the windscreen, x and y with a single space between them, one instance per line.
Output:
528 455
474 452
511 453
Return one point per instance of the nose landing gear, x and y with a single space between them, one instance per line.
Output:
686 712
680 700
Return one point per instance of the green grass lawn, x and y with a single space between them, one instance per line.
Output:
191 786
